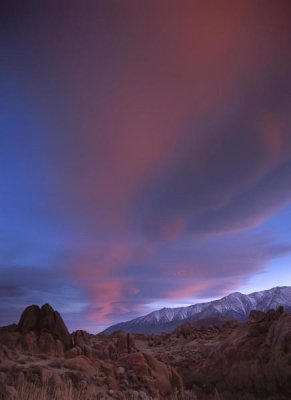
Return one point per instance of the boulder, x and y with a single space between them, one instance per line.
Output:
81 364
153 373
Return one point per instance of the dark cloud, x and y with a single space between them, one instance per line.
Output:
251 207
236 179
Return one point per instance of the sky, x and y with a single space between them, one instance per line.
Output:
145 154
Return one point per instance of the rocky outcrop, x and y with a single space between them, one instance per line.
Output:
41 357
241 361
255 359
40 330
160 379
45 318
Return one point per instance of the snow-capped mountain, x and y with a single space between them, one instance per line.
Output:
234 306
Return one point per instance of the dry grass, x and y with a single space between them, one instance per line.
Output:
29 391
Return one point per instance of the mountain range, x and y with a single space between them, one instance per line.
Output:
235 306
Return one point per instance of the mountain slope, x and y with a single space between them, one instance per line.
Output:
234 306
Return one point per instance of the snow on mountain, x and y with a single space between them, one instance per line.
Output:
235 306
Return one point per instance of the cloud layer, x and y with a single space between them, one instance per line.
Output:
146 147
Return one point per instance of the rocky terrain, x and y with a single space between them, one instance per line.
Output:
40 359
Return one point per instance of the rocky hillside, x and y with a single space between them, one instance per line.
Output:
38 354
40 360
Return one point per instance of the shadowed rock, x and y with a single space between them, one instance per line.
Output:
38 319
186 330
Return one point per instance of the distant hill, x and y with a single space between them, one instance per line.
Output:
234 306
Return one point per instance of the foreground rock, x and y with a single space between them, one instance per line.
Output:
237 361
254 359
40 359
233 361
42 319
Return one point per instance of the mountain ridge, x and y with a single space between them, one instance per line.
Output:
235 306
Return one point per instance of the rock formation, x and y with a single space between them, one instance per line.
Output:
43 319
241 361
